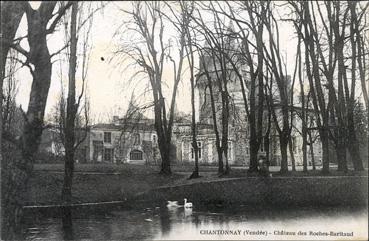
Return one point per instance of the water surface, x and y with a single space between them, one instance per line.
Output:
243 223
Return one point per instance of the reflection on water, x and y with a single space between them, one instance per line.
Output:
179 223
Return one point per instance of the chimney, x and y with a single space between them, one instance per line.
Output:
115 119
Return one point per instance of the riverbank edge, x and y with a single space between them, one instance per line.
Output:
351 191
276 191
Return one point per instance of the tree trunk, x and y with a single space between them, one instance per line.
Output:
303 113
254 149
21 170
195 173
352 139
353 146
11 15
304 148
341 155
293 162
225 156
220 161
325 150
225 122
283 147
316 89
71 112
190 58
13 186
195 147
165 158
284 138
267 148
67 223
214 117
312 152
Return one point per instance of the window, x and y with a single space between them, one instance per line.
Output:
210 150
137 139
199 146
154 138
107 137
108 154
262 145
294 146
230 150
97 150
135 155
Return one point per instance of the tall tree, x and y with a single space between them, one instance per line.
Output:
332 91
256 14
187 9
216 60
150 53
274 61
19 171
251 54
72 114
72 107
309 34
353 143
11 15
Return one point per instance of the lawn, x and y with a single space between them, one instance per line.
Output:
94 183
110 182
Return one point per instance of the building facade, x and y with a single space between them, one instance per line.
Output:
123 141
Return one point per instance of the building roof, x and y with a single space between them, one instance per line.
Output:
106 126
148 124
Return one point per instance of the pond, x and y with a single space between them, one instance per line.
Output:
243 223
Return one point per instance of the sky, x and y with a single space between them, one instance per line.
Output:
109 86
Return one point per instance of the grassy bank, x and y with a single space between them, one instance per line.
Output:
94 183
283 192
109 182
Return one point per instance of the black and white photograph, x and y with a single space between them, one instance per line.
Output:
184 120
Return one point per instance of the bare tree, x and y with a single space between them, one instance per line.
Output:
274 61
209 85
69 131
215 67
72 114
187 10
304 106
39 26
325 37
10 90
269 103
182 24
312 139
308 34
11 15
149 52
250 33
129 124
353 143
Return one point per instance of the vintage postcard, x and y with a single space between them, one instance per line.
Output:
184 120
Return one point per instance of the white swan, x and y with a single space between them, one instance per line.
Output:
172 204
187 204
